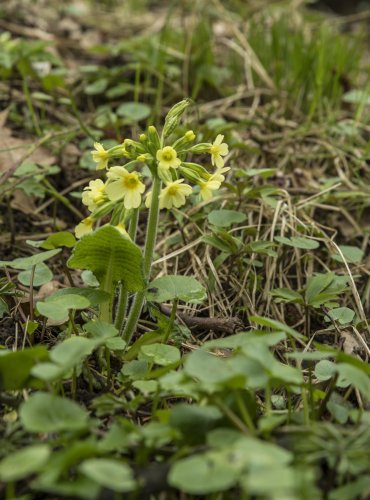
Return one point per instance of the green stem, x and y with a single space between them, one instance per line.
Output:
122 307
151 236
123 293
50 190
31 109
171 321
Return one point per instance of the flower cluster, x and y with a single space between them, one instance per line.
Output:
124 187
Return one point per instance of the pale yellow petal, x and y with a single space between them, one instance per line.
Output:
115 190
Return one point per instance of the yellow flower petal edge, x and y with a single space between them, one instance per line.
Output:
167 158
218 150
174 194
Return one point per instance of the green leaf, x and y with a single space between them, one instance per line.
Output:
93 295
276 326
72 351
97 87
325 370
111 257
170 287
317 284
194 421
4 308
356 96
57 307
298 242
24 462
61 239
33 260
146 387
160 354
225 218
101 329
44 412
355 377
202 474
287 295
353 255
15 367
111 474
133 111
343 315
41 275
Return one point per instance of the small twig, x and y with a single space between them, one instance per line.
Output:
222 325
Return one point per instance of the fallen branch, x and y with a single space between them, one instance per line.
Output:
221 325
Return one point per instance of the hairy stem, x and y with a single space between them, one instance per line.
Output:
123 293
151 236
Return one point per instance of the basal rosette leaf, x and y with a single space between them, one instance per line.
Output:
111 256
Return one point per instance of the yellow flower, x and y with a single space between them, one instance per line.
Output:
126 185
217 176
167 158
100 156
174 194
218 150
84 227
190 136
93 194
207 187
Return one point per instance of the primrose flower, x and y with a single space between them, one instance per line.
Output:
100 156
174 194
218 150
126 185
84 227
93 194
167 158
212 184
217 176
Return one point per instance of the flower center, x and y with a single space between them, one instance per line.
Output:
131 181
168 156
215 149
172 190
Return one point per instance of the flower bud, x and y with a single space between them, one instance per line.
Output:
190 136
202 147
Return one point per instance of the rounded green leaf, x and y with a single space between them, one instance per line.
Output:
24 462
133 111
201 474
28 262
57 307
15 367
343 315
170 287
41 275
351 254
45 412
72 351
111 257
161 354
61 239
325 369
225 218
111 474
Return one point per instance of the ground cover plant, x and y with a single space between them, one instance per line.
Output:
184 287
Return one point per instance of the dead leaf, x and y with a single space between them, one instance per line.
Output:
350 343
47 290
13 149
22 202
